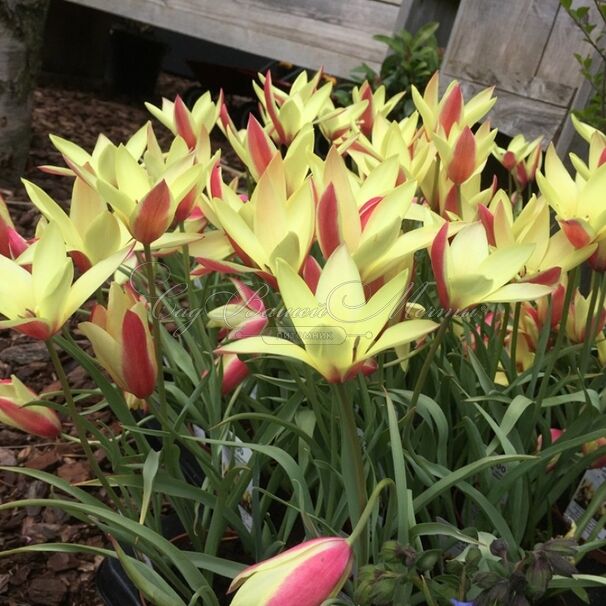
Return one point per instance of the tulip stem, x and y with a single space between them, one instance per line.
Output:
78 424
372 501
429 359
352 464
153 301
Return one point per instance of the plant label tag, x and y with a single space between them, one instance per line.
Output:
584 495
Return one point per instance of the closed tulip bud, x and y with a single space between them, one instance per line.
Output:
538 575
590 447
305 575
37 420
122 342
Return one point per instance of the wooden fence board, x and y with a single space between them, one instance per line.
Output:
525 48
336 34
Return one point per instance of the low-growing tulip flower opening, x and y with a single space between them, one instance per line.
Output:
276 346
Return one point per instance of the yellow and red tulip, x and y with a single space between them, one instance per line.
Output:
441 115
190 125
376 104
145 199
521 159
288 113
270 225
305 575
340 330
35 419
576 322
552 255
468 273
39 303
579 204
122 342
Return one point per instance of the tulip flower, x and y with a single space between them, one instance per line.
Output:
552 255
368 217
147 203
464 153
339 330
99 163
521 159
415 154
338 124
555 435
270 225
256 150
467 273
39 303
192 124
12 244
578 204
376 104
576 322
243 316
122 342
440 115
35 419
306 575
288 113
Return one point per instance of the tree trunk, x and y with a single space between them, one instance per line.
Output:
21 34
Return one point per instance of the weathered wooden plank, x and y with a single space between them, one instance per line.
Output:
513 113
336 34
502 43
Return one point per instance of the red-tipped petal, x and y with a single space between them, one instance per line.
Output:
138 362
30 420
216 181
183 123
260 147
250 297
438 264
270 104
81 261
152 215
509 160
451 204
311 273
452 109
366 119
234 372
548 277
17 244
368 208
487 219
185 206
37 329
575 233
463 161
328 222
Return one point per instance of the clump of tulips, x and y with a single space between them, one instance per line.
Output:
377 372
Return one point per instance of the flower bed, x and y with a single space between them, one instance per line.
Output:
371 373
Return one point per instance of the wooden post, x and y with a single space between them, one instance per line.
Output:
21 33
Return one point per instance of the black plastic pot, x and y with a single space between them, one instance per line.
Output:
113 584
136 60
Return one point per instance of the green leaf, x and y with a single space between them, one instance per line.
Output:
150 469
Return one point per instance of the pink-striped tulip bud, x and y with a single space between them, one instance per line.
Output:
555 435
243 316
122 342
305 575
12 244
35 419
